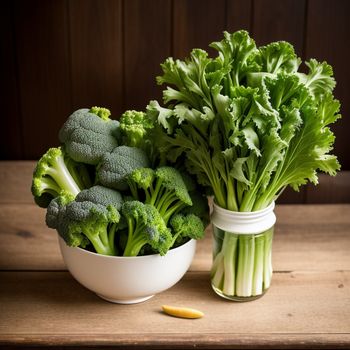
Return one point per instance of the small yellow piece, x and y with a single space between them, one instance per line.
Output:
183 312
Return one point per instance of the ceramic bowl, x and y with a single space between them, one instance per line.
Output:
127 280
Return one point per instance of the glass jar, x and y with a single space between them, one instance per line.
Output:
242 266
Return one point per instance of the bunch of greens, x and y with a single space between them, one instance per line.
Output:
249 124
106 190
248 121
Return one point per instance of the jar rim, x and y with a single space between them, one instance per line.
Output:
243 222
244 214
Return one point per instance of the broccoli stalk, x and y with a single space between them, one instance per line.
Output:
145 226
83 222
164 189
54 174
99 229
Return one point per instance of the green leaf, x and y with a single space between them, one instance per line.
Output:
272 153
291 122
308 150
200 120
237 171
161 115
278 56
239 51
319 79
251 139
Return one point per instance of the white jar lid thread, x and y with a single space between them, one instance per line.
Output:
243 222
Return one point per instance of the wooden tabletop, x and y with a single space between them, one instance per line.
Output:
308 304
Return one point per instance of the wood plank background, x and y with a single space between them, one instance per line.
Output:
60 55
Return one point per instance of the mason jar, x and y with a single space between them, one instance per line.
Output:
242 252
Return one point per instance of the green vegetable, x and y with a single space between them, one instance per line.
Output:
91 218
138 130
249 125
115 167
101 195
163 188
186 226
57 173
134 127
56 208
145 227
89 134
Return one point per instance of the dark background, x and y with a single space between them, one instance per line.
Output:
61 55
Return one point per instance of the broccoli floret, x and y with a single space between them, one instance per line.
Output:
88 134
186 226
91 218
101 195
55 173
141 178
134 128
115 167
139 130
56 208
164 188
87 220
145 226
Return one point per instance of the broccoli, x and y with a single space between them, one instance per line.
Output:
88 134
186 226
139 130
56 208
93 221
145 227
56 173
135 127
141 178
115 167
91 218
101 195
164 188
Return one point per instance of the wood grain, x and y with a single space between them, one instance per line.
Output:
328 24
10 131
279 20
197 23
60 55
330 189
239 15
15 181
96 54
41 29
177 341
26 242
313 238
312 303
147 43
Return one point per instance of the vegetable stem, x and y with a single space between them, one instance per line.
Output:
242 266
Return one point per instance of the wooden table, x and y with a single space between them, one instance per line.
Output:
308 304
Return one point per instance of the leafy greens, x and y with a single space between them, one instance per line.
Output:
248 122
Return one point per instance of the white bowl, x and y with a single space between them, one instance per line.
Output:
127 280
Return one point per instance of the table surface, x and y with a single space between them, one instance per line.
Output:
308 304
